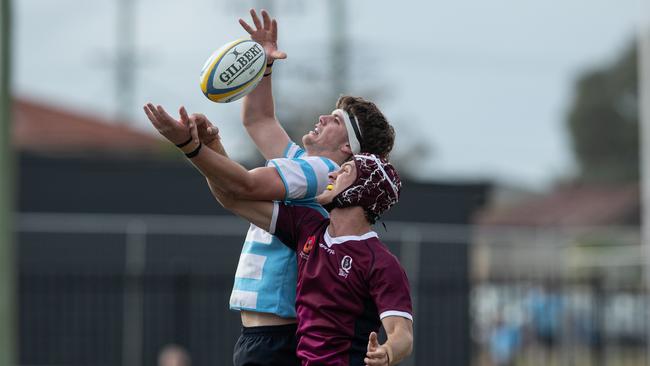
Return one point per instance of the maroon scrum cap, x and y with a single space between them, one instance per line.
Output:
376 188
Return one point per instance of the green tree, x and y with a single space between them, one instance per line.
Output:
604 122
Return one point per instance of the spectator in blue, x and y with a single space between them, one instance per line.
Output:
505 339
545 310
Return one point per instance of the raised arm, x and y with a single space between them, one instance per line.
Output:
209 136
257 212
258 110
225 174
396 348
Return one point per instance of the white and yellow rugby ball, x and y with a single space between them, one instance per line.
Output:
233 71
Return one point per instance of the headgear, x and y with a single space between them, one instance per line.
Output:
376 188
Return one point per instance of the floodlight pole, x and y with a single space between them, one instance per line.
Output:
126 59
644 126
339 55
8 339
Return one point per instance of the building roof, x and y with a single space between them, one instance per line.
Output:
40 127
573 205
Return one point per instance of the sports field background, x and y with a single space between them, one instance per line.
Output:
521 138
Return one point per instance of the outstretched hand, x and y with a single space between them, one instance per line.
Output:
377 355
266 34
176 131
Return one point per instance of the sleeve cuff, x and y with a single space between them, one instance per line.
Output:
274 217
402 314
284 180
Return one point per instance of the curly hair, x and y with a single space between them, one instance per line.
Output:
377 134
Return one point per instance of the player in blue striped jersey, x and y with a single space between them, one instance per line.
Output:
264 287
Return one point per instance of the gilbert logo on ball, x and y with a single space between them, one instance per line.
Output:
233 71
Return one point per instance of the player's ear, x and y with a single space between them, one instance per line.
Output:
346 149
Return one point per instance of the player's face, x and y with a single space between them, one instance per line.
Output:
340 180
329 134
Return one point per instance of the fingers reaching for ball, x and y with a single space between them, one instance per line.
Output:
173 130
194 132
186 132
264 33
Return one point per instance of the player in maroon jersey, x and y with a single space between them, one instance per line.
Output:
348 282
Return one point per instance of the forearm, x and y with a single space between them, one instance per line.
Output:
219 194
258 106
399 343
224 175
258 213
216 146
399 346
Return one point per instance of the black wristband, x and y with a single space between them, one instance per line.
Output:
268 67
184 143
194 152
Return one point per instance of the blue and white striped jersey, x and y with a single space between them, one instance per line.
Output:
266 275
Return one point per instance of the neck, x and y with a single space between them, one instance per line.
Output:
348 221
336 156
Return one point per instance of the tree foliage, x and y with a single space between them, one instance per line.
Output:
604 122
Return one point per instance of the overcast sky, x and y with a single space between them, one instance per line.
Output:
485 84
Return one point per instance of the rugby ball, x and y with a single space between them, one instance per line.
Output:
233 71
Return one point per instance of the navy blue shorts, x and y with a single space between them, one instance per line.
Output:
267 346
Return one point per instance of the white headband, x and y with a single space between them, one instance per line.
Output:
354 133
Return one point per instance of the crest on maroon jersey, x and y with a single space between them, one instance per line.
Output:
346 265
309 244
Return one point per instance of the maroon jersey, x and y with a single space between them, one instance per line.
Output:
345 286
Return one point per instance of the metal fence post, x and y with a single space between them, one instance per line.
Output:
8 322
135 261
410 258
643 39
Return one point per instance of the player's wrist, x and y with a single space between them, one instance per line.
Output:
214 145
189 147
184 143
194 152
269 67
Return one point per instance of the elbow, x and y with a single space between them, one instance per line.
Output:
409 344
406 341
250 117
230 203
245 191
226 202
238 192
409 340
224 198
257 116
247 119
